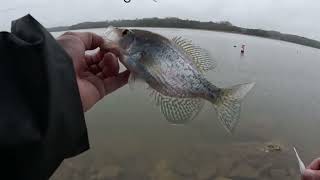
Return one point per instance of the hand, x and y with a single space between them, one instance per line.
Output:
98 73
312 172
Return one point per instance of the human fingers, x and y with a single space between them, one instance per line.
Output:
115 49
113 83
315 164
309 174
109 65
92 62
90 40
94 58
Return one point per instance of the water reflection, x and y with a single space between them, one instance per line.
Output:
131 140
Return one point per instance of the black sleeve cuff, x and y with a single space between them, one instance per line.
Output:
42 120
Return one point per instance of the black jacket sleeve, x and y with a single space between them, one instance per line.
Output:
41 116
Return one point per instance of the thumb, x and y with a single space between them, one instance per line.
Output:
309 174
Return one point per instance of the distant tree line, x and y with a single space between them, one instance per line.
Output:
173 22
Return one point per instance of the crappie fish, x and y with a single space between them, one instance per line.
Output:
174 70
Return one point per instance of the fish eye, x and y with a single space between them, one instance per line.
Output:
125 32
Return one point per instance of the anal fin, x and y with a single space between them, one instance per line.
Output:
178 110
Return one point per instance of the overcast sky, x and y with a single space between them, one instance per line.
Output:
301 17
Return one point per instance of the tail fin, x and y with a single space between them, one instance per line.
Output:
228 105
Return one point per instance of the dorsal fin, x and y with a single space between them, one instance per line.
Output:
200 57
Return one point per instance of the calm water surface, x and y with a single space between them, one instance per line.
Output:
130 140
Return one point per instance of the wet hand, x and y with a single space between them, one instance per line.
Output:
312 172
97 73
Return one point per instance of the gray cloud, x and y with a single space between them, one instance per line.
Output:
289 16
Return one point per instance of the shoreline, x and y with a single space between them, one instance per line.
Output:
199 29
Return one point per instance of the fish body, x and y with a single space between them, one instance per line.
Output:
167 68
174 70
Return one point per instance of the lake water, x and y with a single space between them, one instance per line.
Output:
130 139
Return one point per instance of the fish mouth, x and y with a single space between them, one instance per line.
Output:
112 34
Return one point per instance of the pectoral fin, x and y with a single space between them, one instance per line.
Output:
134 80
131 81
